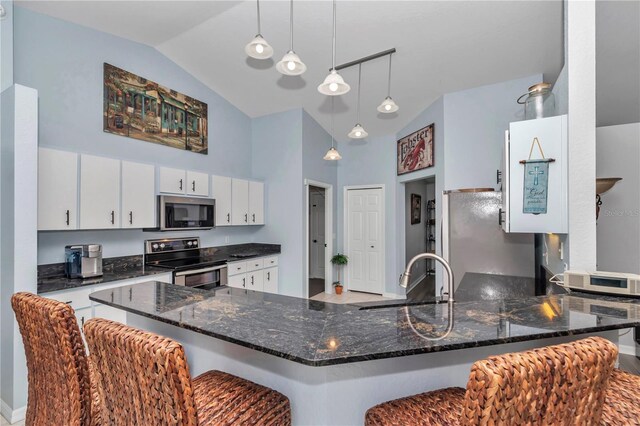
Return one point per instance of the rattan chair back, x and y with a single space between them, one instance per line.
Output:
555 385
58 374
142 378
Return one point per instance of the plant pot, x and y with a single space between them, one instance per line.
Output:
338 289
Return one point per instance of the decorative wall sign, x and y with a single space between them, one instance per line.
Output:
142 109
415 151
536 182
416 208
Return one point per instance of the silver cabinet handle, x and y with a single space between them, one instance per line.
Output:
113 217
131 217
268 276
180 184
228 217
254 218
244 282
246 217
193 186
67 217
251 279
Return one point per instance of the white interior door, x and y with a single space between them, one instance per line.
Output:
317 235
365 240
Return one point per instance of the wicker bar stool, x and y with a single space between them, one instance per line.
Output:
557 385
58 375
622 406
144 379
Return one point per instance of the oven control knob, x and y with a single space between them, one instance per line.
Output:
195 243
155 247
189 243
162 245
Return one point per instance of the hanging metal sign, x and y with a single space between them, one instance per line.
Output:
536 182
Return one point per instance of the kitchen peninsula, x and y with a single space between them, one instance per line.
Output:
314 352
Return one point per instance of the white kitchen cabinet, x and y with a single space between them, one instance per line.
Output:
110 313
221 192
82 315
255 280
57 190
99 192
270 280
197 184
173 181
238 281
138 195
552 134
256 203
239 202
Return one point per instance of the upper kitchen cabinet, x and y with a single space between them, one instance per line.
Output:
138 195
221 192
197 184
173 181
239 202
57 190
535 196
99 192
256 203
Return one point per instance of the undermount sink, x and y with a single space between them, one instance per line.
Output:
605 184
401 305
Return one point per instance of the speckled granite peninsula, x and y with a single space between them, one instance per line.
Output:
313 351
319 334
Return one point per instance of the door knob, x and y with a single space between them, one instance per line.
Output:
372 247
315 241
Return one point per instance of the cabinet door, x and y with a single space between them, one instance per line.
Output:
238 281
197 184
221 190
270 278
110 313
57 190
99 192
82 315
256 203
239 202
552 134
255 281
138 195
172 181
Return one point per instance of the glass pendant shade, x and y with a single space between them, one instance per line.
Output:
258 48
358 132
334 85
388 106
291 64
332 155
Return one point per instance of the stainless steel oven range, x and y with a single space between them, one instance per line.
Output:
190 266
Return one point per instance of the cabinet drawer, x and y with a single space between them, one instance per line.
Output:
255 264
236 268
78 299
270 261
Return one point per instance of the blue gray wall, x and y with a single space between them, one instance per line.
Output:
70 95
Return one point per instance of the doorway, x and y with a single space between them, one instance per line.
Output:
364 238
421 236
317 240
318 237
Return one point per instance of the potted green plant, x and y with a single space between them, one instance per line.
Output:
339 260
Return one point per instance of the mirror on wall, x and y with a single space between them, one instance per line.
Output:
618 135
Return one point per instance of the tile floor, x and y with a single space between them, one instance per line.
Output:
349 297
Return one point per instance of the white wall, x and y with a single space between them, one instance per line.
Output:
618 228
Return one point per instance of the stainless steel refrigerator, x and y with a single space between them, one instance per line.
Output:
474 242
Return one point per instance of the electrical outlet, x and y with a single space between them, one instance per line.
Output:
561 250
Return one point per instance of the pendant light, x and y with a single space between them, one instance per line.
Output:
291 63
332 154
333 84
258 48
388 105
358 131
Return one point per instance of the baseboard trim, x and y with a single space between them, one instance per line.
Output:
414 283
626 349
12 416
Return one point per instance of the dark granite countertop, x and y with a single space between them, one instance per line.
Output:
319 334
51 277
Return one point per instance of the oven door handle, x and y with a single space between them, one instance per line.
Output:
199 271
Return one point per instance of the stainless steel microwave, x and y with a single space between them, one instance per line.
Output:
185 213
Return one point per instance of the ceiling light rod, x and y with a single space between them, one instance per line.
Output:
366 59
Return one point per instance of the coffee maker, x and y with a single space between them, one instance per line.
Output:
83 261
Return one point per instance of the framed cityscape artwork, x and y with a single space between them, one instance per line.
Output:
142 109
415 151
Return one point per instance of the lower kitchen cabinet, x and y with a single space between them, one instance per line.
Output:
104 311
257 274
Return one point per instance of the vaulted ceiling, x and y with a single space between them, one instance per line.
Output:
442 46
